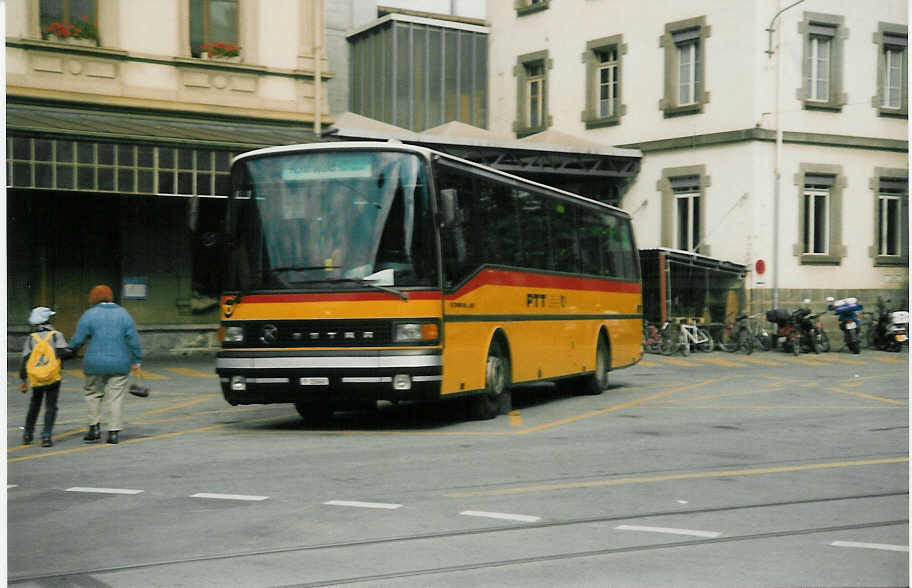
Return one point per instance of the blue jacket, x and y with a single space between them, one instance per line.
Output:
113 340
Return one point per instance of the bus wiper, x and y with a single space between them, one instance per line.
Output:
301 268
366 282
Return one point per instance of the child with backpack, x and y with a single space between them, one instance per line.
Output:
41 366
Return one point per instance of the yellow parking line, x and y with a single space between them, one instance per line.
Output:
616 407
151 376
848 361
182 405
759 361
647 363
796 359
889 359
515 419
673 477
679 362
716 361
863 395
75 373
192 373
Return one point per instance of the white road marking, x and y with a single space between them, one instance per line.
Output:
670 531
8 486
104 490
882 546
228 496
358 504
501 515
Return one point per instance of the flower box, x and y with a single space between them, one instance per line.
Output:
73 41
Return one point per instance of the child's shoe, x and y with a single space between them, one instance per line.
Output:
27 438
46 441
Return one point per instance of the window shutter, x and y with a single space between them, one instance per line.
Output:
685 184
895 40
821 30
685 35
894 185
819 181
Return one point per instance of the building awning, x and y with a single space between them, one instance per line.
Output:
73 122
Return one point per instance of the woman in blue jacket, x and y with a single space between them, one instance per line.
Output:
113 350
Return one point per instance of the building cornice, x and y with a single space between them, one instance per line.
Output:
181 62
148 106
757 134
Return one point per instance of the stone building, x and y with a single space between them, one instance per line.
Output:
776 140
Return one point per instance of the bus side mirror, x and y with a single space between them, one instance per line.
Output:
449 204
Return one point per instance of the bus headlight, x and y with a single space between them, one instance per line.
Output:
234 334
416 333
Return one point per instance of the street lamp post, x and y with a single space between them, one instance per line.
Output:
777 172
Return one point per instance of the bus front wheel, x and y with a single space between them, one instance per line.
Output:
496 397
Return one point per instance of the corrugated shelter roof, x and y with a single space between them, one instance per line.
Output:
92 123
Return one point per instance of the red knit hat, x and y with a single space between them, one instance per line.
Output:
100 293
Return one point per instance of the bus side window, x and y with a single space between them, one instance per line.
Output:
534 223
590 249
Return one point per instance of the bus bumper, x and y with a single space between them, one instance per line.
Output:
267 377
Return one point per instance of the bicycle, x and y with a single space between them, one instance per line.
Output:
737 335
691 334
759 333
865 329
651 338
669 339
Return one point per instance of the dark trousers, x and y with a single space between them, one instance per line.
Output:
49 394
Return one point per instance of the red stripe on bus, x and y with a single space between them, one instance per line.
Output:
332 297
494 277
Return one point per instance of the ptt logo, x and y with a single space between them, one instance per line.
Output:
535 300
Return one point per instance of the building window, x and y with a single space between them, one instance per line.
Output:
688 70
532 94
892 95
212 21
816 222
818 66
608 83
891 217
684 208
822 87
820 215
58 164
67 12
892 74
685 67
603 86
687 212
535 94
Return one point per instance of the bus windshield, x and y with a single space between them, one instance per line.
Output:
331 219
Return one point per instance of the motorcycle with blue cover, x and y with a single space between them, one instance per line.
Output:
846 311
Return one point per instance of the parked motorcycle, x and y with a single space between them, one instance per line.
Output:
890 331
797 330
846 311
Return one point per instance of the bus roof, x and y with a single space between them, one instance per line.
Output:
424 152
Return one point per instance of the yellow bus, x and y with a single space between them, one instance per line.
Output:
368 271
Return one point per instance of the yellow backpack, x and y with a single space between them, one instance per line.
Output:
43 365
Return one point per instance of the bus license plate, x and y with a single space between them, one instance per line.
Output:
851 325
314 381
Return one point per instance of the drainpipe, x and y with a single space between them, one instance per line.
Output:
777 173
318 75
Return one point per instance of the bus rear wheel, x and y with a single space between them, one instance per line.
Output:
496 398
596 383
